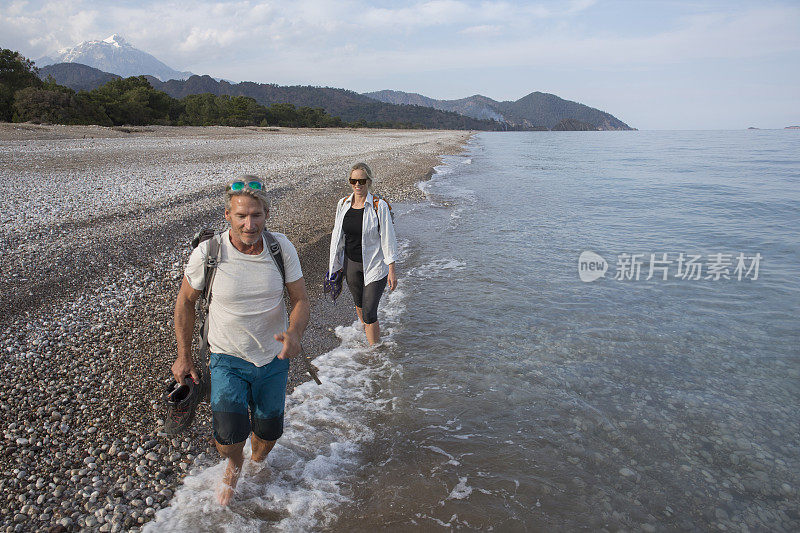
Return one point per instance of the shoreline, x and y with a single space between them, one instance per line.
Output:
86 334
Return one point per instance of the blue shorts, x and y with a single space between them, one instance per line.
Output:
246 397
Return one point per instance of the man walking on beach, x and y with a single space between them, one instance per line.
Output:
250 342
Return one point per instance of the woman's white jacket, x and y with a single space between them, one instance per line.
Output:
378 248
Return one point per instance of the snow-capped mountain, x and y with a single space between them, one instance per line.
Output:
114 54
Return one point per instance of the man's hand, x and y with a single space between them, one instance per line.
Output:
291 344
298 319
183 367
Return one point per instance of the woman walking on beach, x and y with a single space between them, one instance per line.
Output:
364 246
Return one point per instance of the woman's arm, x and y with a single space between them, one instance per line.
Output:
391 278
337 240
388 239
388 242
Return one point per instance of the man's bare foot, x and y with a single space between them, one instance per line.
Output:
224 494
258 473
258 457
228 484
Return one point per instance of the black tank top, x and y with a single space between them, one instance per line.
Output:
352 234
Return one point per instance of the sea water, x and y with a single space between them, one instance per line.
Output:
661 393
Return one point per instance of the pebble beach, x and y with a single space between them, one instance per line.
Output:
95 228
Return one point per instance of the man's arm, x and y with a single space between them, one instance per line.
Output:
184 328
298 319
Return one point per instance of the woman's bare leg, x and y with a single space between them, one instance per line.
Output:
373 332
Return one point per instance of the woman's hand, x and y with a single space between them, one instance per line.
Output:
392 278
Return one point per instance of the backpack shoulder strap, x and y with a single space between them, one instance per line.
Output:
275 251
209 271
376 199
277 256
210 266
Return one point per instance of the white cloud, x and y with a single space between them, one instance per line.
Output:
16 9
756 33
484 30
182 33
468 14
433 13
355 43
244 31
576 6
200 39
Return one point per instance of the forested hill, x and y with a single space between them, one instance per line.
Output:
548 109
537 110
350 106
347 105
76 76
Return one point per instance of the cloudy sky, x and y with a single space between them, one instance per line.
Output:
653 64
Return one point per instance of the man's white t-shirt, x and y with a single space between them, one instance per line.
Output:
247 306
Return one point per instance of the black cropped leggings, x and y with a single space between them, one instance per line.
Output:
366 298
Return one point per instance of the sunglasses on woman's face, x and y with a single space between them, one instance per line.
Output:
240 185
360 182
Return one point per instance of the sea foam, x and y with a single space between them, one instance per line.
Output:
305 478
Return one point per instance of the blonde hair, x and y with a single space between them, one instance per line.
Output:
260 195
365 168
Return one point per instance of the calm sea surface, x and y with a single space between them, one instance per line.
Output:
512 396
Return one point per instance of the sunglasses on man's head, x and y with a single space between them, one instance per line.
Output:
240 185
360 182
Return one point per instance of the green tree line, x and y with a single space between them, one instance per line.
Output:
133 101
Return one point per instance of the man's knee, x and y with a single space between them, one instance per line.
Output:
230 428
268 429
230 451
